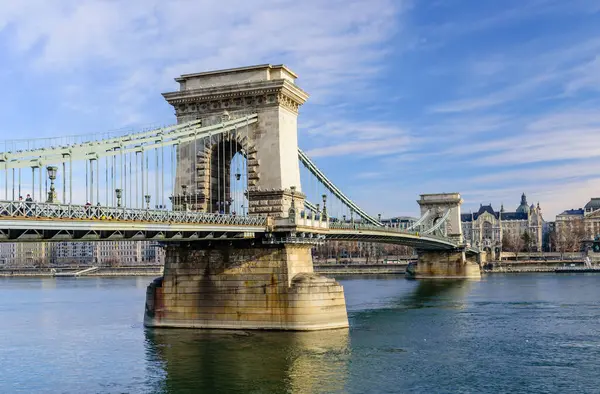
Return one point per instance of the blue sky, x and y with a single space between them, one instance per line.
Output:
487 98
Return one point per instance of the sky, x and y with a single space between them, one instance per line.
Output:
489 98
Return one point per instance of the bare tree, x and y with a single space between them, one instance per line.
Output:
552 241
507 244
575 234
518 243
570 236
526 241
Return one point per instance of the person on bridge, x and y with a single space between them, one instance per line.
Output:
21 207
29 204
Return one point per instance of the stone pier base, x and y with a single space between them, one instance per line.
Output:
243 286
444 265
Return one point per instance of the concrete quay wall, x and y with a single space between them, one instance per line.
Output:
151 270
527 266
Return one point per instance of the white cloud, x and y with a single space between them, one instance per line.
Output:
357 139
146 43
377 147
370 175
555 173
567 135
510 93
586 77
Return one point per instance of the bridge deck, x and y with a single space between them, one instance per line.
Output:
22 222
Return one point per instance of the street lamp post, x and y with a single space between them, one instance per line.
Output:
119 194
292 210
184 193
52 175
147 199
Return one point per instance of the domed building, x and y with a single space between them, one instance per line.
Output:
592 205
523 208
486 228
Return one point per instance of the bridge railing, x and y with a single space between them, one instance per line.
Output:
382 229
35 210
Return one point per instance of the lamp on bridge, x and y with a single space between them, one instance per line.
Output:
324 207
119 194
292 210
184 201
52 175
379 217
147 199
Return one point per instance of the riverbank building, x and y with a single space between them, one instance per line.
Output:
486 228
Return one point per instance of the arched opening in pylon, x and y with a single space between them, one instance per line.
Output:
228 177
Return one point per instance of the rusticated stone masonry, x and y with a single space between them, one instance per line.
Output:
245 286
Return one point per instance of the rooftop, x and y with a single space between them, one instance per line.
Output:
593 204
578 211
258 72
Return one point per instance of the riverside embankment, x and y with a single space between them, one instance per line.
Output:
360 269
525 266
528 266
151 270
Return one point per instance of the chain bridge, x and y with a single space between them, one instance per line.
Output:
224 188
117 204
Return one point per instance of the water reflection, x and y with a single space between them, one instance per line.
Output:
48 283
434 291
249 362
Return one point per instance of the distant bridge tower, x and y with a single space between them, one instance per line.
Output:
436 206
270 146
444 208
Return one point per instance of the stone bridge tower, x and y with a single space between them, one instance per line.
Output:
438 205
256 282
444 264
270 146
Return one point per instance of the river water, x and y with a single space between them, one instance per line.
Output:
536 333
